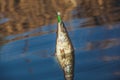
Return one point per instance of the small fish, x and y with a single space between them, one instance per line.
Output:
64 50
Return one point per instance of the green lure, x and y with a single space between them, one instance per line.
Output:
58 17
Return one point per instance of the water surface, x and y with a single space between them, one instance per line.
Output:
28 39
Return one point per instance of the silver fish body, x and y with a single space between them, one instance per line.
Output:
65 52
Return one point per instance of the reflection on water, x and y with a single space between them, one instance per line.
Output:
116 73
102 44
25 15
100 11
111 58
28 36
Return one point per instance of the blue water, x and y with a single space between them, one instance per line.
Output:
32 57
30 54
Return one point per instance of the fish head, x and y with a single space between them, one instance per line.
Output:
61 27
61 31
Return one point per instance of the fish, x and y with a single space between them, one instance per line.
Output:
64 50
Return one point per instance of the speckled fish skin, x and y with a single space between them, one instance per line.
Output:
65 52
